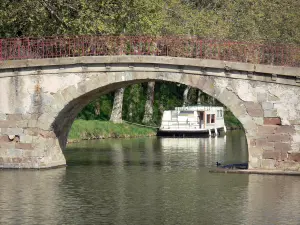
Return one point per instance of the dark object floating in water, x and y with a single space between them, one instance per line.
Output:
242 166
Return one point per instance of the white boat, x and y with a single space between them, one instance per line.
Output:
193 120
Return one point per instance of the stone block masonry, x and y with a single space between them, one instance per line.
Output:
22 146
35 117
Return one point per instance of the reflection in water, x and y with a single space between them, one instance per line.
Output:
272 200
193 151
30 194
149 181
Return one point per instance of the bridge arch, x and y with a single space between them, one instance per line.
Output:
49 93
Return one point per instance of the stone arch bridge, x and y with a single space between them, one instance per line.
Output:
40 96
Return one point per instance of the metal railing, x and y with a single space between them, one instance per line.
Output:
174 46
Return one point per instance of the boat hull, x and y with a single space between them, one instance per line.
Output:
186 133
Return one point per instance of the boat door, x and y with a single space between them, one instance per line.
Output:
200 119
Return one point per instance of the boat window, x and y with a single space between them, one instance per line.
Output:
219 113
212 118
208 118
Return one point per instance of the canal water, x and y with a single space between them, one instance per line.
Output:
149 181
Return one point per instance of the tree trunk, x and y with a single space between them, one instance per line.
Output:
212 100
185 96
116 114
199 97
131 103
149 103
97 108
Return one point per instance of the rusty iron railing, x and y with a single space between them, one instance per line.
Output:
56 47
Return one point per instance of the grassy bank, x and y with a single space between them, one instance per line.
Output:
95 129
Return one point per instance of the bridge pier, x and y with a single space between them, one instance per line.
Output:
274 147
24 145
39 100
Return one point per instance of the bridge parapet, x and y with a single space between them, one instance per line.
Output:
174 46
137 63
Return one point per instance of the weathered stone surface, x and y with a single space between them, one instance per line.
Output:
279 138
14 117
295 122
255 163
14 131
254 109
272 121
261 142
252 142
266 129
294 157
37 131
272 155
269 164
3 116
285 129
255 152
4 138
270 113
283 147
267 105
289 165
32 123
26 139
6 123
230 98
269 146
7 145
259 120
13 153
272 98
21 123
25 146
262 97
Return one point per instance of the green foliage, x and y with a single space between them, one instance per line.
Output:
231 121
259 20
45 17
167 96
133 103
105 102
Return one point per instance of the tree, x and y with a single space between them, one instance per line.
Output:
185 96
116 115
199 97
149 103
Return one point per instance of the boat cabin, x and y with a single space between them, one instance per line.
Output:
193 119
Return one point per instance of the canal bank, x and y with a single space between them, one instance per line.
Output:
95 129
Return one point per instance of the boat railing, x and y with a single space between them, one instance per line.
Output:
186 125
181 124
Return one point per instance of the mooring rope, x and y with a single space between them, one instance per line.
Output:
140 124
